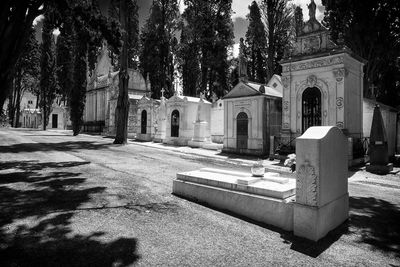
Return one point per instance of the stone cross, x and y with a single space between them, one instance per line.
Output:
162 92
374 92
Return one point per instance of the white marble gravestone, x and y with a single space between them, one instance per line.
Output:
311 205
201 130
322 200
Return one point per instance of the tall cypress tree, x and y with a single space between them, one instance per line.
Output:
78 92
256 45
189 61
212 30
48 81
157 40
65 58
278 18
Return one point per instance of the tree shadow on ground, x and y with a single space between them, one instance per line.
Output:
60 146
373 221
36 215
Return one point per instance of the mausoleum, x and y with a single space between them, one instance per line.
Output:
252 112
181 115
102 94
147 114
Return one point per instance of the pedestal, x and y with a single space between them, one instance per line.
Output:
322 200
201 134
159 137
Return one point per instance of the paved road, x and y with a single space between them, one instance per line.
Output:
82 201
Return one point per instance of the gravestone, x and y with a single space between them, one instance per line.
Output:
201 131
322 200
311 205
161 120
378 147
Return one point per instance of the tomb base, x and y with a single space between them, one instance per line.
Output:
379 169
267 200
315 222
143 137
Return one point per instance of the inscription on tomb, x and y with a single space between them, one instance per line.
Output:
313 64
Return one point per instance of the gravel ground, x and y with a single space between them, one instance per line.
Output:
82 201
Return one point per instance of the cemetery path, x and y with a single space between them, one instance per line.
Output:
82 201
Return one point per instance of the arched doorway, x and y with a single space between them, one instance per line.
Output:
143 122
311 108
175 123
242 130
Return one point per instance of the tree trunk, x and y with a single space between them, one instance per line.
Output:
122 110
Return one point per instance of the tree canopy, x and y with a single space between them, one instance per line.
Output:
371 29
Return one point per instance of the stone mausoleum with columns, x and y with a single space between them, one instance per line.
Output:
322 83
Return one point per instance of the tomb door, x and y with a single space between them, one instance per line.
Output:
54 121
311 108
242 130
143 123
175 123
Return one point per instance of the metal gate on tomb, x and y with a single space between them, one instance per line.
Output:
311 108
242 130
175 123
144 122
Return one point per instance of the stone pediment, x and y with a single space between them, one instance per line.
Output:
145 100
242 90
176 98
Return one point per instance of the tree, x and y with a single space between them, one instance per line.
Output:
65 59
256 45
48 80
211 30
189 60
16 19
371 29
132 29
157 45
25 78
122 110
278 18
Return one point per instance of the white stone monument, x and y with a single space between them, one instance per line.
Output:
322 199
201 131
311 205
161 120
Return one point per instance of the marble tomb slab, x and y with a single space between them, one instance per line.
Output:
271 185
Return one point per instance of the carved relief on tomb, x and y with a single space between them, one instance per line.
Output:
339 74
285 125
325 113
340 124
339 102
286 105
313 64
307 185
311 44
285 81
311 80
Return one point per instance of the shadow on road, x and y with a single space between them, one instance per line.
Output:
36 211
372 221
61 146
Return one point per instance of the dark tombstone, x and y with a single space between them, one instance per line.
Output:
378 146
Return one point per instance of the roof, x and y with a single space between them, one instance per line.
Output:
189 98
268 90
244 89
